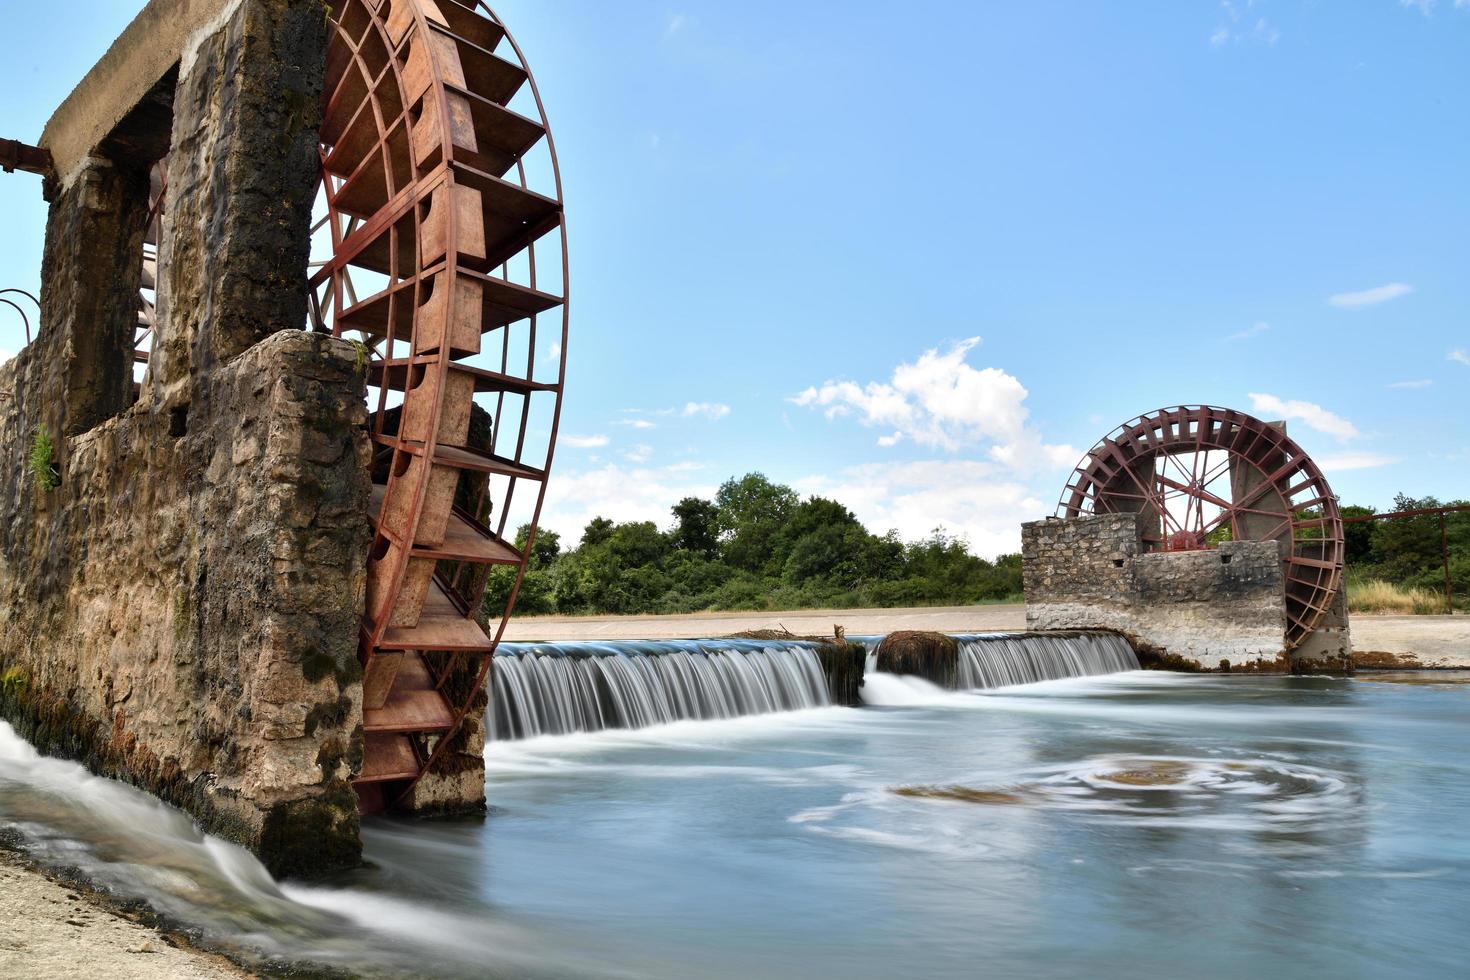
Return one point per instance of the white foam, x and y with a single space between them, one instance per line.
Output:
903 690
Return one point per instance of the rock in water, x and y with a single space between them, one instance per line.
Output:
932 656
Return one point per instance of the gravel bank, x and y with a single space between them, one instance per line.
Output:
48 930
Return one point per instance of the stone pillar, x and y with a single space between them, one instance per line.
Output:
1329 648
89 295
1244 479
243 172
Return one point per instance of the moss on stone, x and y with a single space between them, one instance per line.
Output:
329 714
843 665
932 656
13 683
313 836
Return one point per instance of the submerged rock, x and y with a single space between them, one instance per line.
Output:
965 794
1161 772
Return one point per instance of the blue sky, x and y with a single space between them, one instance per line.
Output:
791 221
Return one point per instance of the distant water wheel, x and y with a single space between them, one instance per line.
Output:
440 245
1200 475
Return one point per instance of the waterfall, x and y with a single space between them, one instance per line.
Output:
1003 659
559 688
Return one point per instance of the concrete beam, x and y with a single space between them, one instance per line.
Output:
142 54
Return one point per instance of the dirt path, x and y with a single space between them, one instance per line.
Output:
1435 640
806 622
48 930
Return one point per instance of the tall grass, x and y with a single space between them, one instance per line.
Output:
1385 598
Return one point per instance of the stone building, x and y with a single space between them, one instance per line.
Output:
182 560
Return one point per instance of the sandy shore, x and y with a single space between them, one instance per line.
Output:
805 622
49 930
1435 640
1438 641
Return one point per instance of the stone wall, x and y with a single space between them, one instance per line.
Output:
1202 606
181 610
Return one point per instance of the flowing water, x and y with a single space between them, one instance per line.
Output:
1129 825
1007 659
561 688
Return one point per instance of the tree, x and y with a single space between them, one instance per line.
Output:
697 529
637 544
1357 537
538 591
752 512
598 530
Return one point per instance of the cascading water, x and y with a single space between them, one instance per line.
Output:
1004 659
559 688
991 660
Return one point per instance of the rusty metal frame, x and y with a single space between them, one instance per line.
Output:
15 155
1128 471
21 310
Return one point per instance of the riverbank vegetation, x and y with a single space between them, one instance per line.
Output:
759 545
1377 597
756 545
1397 565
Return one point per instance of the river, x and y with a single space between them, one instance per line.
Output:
1132 825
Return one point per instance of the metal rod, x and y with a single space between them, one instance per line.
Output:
1444 548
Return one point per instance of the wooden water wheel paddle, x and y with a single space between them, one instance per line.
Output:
1199 475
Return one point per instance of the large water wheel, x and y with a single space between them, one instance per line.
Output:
1200 475
438 243
440 205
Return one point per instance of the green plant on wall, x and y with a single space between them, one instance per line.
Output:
362 351
43 460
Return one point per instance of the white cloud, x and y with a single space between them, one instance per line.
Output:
640 453
1370 297
1426 7
1237 28
621 493
976 500
637 423
941 401
1312 415
585 442
1459 357
1259 327
1424 383
714 411
1354 461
